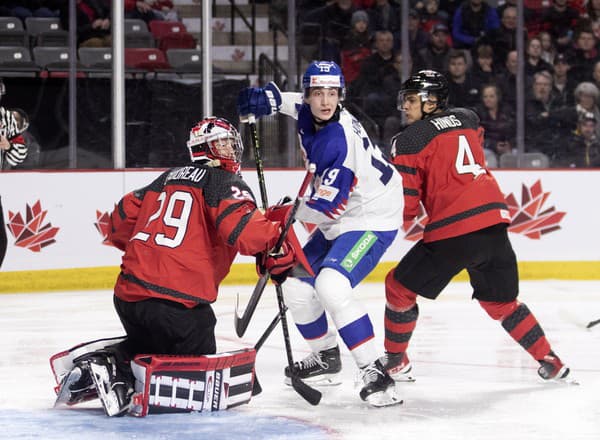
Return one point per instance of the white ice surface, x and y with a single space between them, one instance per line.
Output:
473 381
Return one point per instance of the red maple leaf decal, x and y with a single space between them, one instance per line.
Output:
414 229
218 25
238 55
30 233
528 218
102 224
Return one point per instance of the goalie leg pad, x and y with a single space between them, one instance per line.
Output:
166 384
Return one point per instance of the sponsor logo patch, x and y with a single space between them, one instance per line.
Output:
359 250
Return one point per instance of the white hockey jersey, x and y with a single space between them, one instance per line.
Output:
356 188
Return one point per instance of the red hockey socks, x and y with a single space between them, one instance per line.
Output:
521 325
401 313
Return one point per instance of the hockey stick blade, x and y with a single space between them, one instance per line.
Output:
593 323
308 393
241 322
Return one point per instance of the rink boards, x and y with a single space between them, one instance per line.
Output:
57 222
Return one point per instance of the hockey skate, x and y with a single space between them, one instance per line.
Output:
379 388
320 369
114 392
398 366
552 369
77 386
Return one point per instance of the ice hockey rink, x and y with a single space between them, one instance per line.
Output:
473 381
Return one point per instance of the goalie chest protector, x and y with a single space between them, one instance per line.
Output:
166 384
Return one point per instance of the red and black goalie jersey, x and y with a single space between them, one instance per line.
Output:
442 163
181 233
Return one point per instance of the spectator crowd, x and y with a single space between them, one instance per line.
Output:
474 43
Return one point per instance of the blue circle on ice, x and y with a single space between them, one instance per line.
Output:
91 423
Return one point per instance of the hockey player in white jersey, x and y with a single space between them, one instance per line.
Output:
356 203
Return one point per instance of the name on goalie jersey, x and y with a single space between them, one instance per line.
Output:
187 173
446 122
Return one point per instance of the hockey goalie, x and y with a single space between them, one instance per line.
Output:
161 383
180 235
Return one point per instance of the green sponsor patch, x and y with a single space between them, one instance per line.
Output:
363 245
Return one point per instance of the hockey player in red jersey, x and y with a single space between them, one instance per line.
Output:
440 156
180 235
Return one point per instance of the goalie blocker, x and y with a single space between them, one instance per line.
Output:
167 384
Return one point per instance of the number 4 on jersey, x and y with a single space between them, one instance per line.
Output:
465 162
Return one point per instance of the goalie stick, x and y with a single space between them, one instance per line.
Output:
241 322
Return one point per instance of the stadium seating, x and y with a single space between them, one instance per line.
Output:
12 32
527 160
137 34
16 61
148 59
171 35
46 31
54 61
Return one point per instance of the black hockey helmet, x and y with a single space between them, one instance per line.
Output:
424 83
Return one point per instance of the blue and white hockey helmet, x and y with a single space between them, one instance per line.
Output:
325 74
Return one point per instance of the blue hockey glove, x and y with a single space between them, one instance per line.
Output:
258 101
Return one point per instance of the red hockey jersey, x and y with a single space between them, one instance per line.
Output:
181 233
442 163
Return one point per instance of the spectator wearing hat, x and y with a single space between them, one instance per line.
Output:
435 55
474 19
564 84
431 14
582 148
356 46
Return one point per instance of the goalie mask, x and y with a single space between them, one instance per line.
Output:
217 141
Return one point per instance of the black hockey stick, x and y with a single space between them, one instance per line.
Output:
241 322
258 160
308 393
593 323
256 388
